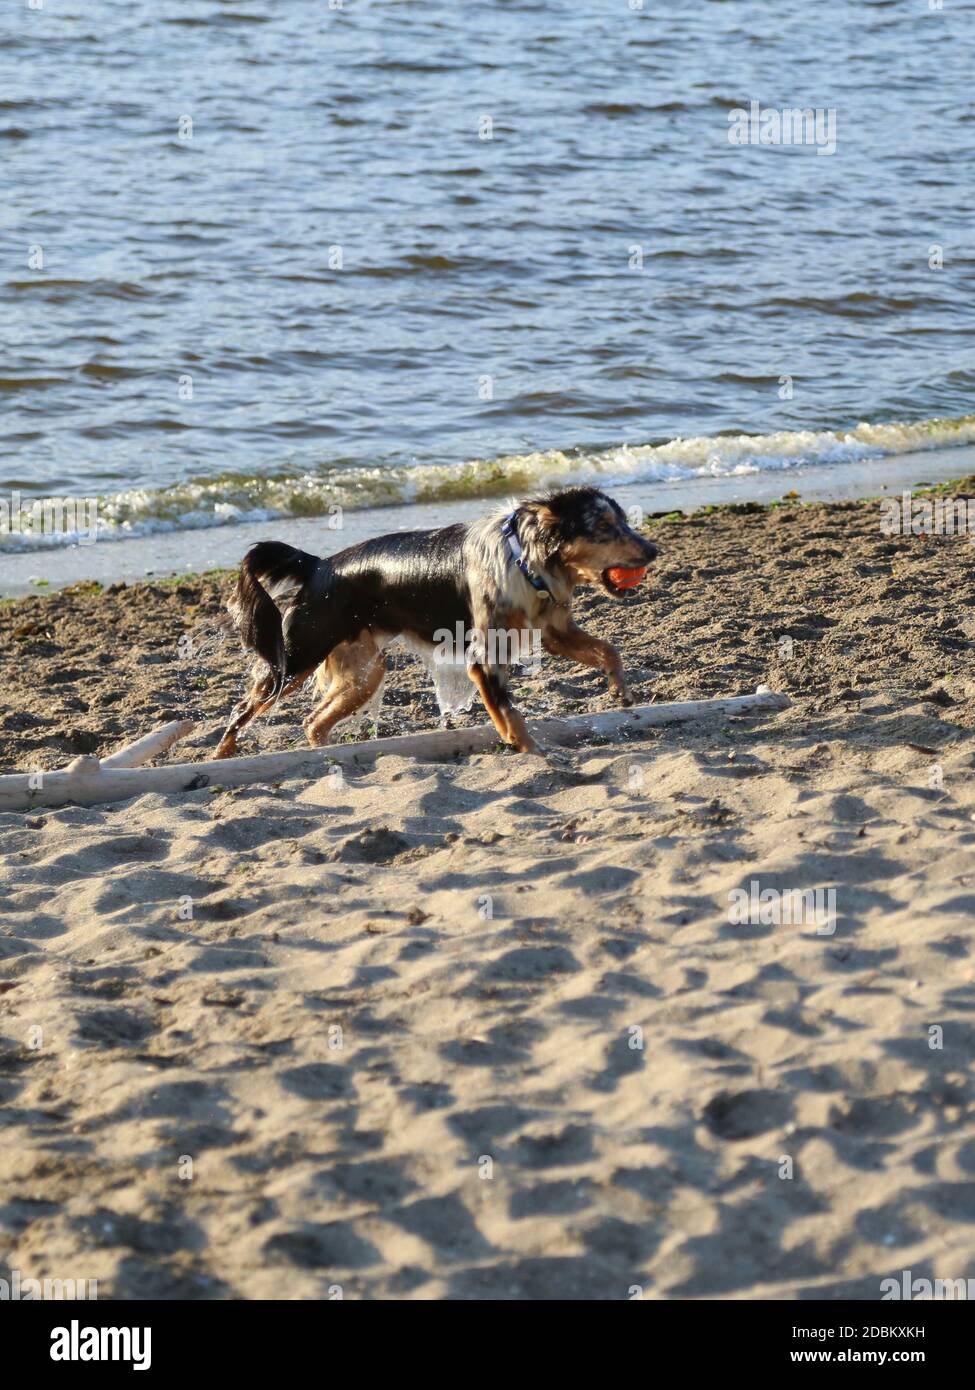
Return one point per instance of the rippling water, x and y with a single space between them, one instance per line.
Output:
337 290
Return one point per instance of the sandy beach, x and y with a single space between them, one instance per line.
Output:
490 1029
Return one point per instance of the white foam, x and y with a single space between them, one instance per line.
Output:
233 501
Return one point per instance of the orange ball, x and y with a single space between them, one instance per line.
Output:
625 578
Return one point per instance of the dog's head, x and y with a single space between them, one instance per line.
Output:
587 534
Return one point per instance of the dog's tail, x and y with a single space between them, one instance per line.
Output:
272 577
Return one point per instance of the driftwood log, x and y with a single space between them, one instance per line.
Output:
89 781
149 747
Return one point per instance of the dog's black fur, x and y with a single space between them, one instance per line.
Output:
297 611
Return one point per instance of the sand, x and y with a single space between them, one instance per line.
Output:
489 1030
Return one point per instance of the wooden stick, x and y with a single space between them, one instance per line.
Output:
88 782
150 745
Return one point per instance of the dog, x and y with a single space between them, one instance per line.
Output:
510 572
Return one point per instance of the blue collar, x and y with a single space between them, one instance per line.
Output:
518 555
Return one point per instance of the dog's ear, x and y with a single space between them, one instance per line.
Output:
548 530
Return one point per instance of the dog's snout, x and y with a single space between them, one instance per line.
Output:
649 550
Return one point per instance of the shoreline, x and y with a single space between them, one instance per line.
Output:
166 553
173 637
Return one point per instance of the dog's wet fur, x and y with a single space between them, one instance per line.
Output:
301 614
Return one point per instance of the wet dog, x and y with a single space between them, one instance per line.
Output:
513 572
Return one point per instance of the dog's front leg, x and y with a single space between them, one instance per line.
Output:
576 645
509 722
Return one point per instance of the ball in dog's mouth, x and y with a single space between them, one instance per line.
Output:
619 579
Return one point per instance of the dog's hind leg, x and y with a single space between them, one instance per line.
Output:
259 699
350 677
244 712
509 722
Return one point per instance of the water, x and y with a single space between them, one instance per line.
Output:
605 288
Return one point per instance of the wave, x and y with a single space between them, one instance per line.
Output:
235 498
